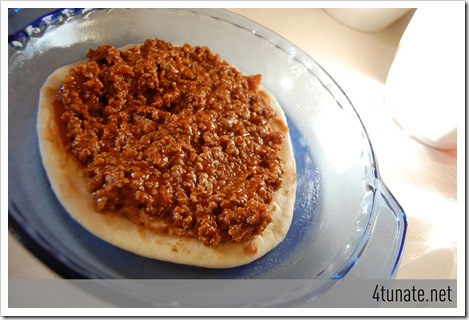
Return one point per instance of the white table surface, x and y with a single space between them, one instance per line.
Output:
422 179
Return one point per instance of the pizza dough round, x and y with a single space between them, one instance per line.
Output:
70 187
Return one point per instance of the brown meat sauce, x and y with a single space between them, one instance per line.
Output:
175 135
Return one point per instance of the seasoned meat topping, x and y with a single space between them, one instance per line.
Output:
175 139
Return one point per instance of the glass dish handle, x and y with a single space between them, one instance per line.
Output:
382 255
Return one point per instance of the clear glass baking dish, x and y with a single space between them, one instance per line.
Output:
341 206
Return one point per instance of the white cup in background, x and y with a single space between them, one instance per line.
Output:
425 87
